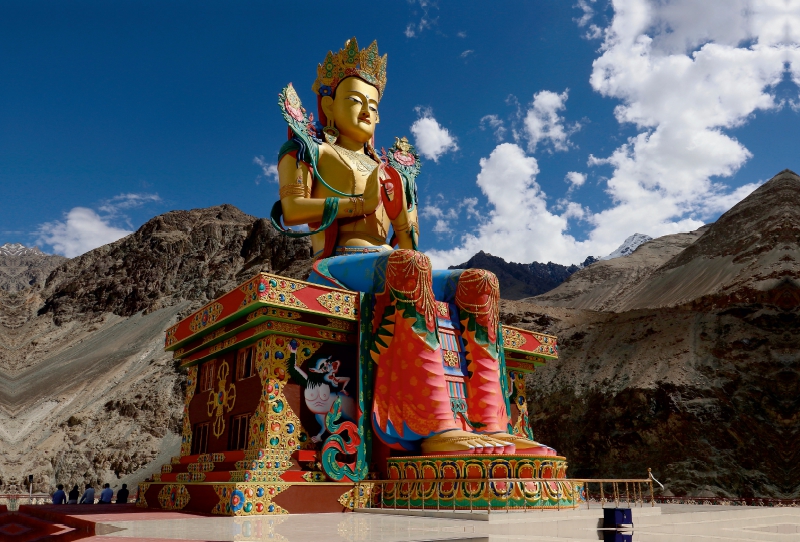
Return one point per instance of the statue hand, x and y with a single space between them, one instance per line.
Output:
372 193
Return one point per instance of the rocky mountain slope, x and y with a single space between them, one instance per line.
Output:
695 370
21 267
606 284
86 392
519 280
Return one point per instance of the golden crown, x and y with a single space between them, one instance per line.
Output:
365 64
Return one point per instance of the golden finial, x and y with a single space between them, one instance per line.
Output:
402 143
365 64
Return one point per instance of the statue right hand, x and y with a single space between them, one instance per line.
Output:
372 192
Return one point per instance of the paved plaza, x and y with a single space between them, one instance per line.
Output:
660 524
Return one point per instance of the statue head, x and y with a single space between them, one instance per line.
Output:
349 86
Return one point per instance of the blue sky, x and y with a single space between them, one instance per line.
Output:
550 130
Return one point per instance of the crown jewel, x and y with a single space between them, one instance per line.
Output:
351 62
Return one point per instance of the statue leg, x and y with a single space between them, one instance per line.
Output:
411 400
411 405
477 296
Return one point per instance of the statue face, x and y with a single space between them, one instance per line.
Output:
355 109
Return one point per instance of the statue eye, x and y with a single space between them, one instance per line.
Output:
373 109
355 99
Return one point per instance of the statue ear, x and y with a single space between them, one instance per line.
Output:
327 107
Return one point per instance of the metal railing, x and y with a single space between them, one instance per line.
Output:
732 501
499 494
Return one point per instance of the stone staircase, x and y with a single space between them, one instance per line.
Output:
243 466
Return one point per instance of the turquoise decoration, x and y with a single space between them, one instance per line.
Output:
336 444
237 500
360 442
328 217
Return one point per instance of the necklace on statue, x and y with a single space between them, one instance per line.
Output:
364 163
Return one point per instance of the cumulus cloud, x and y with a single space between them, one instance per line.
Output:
543 124
496 124
269 170
431 138
81 231
575 179
84 229
684 72
519 227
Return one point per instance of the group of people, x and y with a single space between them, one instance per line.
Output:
106 495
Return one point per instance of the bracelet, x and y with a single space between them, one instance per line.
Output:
358 206
294 190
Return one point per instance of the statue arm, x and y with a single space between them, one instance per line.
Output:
405 227
298 205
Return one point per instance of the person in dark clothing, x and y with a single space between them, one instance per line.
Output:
122 495
74 494
59 497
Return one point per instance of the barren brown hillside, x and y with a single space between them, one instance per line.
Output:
604 285
696 373
86 392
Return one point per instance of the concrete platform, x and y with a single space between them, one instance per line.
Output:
660 524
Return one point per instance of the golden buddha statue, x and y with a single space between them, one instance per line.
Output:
428 397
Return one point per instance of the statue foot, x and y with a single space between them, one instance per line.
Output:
524 446
463 442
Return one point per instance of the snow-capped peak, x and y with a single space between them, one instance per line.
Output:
628 246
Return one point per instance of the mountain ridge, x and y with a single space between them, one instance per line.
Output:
518 280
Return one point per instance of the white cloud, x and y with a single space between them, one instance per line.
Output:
431 138
519 227
466 53
685 71
426 21
82 230
575 179
127 201
543 124
444 213
461 34
496 124
588 12
269 171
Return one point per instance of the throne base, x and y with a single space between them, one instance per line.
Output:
453 491
247 498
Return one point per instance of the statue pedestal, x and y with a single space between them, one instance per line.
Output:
463 482
256 441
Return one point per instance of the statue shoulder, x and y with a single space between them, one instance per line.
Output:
304 132
403 157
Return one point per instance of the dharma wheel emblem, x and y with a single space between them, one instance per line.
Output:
221 400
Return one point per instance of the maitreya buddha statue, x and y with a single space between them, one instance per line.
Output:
350 196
